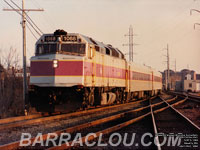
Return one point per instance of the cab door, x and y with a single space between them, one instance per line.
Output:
127 76
90 67
93 57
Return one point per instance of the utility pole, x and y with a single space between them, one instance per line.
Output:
25 91
175 69
175 65
23 14
130 44
175 73
167 72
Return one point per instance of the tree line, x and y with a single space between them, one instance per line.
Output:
11 84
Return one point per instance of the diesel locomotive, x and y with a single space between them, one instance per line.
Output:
71 70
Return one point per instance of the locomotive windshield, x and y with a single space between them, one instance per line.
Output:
69 49
46 48
73 48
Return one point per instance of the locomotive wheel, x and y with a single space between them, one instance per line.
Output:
119 95
98 96
85 99
91 97
88 98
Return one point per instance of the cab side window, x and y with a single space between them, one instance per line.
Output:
107 51
97 48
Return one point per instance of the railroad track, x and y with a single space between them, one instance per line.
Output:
172 123
104 126
19 118
133 125
137 108
38 118
191 109
195 96
189 95
20 125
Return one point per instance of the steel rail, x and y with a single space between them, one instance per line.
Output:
160 110
180 114
15 145
155 128
172 107
19 118
63 116
162 102
193 96
194 100
190 97
105 131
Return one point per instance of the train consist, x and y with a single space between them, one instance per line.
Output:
70 70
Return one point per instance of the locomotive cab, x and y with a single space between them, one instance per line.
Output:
57 57
57 69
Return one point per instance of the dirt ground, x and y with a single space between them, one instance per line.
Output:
191 110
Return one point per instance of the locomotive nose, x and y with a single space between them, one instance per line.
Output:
42 68
56 72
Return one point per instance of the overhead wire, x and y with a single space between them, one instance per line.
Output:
21 15
29 22
47 20
27 16
31 31
175 25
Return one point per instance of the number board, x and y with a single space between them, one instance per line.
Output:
69 38
50 38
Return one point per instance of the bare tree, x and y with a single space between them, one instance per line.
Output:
11 59
1 56
11 86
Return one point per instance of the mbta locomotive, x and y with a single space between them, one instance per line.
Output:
70 70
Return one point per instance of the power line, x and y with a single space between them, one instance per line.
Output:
167 74
28 17
130 44
175 24
31 31
28 20
23 14
191 14
47 20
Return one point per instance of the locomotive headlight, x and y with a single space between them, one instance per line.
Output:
55 63
59 39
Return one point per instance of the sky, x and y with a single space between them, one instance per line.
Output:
155 23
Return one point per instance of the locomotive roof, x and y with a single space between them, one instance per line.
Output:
91 41
100 44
